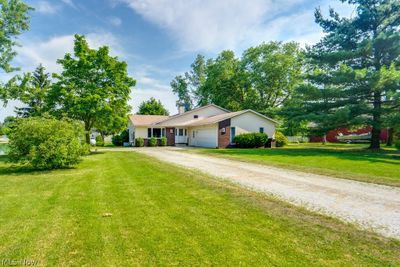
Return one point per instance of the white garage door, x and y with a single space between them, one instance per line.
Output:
205 137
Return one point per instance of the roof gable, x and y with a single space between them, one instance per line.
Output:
229 115
188 117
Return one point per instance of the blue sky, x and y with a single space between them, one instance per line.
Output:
159 38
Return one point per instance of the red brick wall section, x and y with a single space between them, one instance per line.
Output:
224 137
170 132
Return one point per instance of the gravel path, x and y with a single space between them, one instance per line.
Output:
374 207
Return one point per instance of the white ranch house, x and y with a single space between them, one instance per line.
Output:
208 126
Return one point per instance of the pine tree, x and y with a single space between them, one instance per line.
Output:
355 68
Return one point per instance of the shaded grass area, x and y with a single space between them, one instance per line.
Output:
163 215
340 160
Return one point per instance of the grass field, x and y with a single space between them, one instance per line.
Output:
124 209
340 160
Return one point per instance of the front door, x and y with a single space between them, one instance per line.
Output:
181 135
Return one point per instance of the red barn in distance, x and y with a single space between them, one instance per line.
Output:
332 135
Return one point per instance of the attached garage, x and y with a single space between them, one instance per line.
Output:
204 136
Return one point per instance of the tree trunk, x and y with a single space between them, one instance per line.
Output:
376 124
87 136
375 138
87 133
390 137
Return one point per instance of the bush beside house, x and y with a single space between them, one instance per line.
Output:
250 140
47 143
280 139
139 142
120 139
163 141
152 142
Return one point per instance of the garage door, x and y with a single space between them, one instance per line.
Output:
205 137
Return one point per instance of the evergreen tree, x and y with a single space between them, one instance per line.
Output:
355 68
32 90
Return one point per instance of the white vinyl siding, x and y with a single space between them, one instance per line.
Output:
251 123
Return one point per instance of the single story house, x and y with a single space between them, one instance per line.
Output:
208 126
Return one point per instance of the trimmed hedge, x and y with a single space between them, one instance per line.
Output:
397 144
251 140
139 142
152 142
163 141
280 139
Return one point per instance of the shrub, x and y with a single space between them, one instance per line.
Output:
120 139
163 141
116 140
280 139
139 142
46 143
260 139
250 140
99 140
152 142
397 144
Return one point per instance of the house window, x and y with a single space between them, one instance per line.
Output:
196 116
157 132
261 129
180 132
176 132
185 132
193 134
233 133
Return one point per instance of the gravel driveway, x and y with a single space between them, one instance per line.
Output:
374 207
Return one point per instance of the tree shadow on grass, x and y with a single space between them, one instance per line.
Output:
7 168
16 169
358 154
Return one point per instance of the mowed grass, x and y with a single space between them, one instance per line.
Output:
340 160
163 215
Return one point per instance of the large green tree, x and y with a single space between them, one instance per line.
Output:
152 107
263 79
14 19
188 87
223 85
180 87
93 87
273 71
354 68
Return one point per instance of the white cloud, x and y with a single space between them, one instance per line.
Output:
34 52
147 87
115 21
69 3
46 8
209 25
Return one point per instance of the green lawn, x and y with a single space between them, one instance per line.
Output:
340 160
163 215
